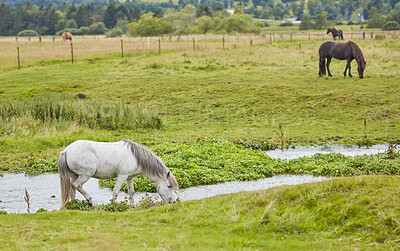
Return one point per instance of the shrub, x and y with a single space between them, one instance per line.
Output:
286 24
97 29
391 25
115 32
380 37
27 33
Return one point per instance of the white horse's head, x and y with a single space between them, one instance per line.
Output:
167 188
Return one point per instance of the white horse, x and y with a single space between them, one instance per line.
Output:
124 160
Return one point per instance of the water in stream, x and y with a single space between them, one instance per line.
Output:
44 189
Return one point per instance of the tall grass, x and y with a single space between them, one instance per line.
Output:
92 114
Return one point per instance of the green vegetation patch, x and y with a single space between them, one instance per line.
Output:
92 114
216 161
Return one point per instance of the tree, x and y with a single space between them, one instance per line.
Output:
321 21
242 23
149 26
182 20
5 20
203 25
18 20
306 23
135 14
311 5
278 13
110 18
50 18
83 16
376 19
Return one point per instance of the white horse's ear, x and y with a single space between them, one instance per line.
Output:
169 172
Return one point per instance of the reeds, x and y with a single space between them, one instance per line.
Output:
62 108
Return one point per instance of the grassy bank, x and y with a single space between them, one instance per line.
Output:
342 213
243 93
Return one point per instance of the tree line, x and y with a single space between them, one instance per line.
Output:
187 16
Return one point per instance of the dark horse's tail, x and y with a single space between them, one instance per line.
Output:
323 51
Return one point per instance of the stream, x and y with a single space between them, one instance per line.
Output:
44 189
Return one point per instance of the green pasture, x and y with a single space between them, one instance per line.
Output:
262 92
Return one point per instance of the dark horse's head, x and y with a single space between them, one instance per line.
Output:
329 30
358 55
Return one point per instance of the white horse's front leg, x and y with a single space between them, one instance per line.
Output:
117 187
131 190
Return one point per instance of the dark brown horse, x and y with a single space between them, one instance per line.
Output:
335 33
66 36
342 51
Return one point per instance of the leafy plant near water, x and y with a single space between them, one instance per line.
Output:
61 108
215 161
33 164
82 205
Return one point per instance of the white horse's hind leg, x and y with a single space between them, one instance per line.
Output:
78 186
131 190
118 184
73 192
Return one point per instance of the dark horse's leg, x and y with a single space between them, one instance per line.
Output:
348 66
328 62
321 66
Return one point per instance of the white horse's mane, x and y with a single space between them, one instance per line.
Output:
150 163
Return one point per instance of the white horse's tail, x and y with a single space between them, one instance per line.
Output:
65 179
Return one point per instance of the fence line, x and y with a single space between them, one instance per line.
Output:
87 46
200 37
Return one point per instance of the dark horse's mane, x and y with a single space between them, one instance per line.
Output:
358 55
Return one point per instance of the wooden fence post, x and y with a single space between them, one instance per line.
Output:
194 44
223 42
159 46
372 35
122 48
364 35
19 61
72 53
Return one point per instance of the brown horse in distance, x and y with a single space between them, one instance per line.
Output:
342 51
66 36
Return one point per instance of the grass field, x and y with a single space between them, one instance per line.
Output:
338 214
242 93
264 92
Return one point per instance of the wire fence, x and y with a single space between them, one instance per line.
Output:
22 51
